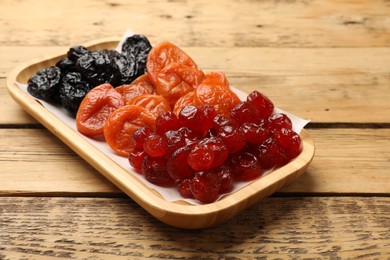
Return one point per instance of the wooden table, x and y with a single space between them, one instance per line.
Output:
327 61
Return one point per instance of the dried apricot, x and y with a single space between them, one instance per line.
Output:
142 85
96 107
172 71
153 103
215 91
120 126
163 54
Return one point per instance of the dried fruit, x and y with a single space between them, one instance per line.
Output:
214 91
121 125
177 165
95 108
245 112
246 166
172 71
139 86
45 83
99 67
155 104
136 157
263 104
155 145
197 118
166 122
72 91
136 48
205 186
155 171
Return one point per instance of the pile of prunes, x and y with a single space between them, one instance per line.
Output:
74 76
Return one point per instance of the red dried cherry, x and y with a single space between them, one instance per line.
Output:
197 118
245 112
155 145
289 141
179 138
279 121
136 157
138 137
155 171
270 154
177 166
254 133
201 158
263 104
225 174
246 166
184 188
205 186
232 138
166 122
212 147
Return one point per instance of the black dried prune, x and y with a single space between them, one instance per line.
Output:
99 67
136 45
126 67
72 92
45 83
66 65
76 52
136 48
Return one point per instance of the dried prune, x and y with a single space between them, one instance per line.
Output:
66 65
45 83
99 67
72 91
76 52
126 67
137 46
136 49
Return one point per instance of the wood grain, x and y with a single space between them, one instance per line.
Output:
271 23
34 162
299 228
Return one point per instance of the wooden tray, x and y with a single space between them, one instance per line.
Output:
179 213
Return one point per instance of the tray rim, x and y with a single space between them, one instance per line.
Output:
172 213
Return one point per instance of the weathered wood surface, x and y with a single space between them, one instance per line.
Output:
347 161
297 228
323 60
271 23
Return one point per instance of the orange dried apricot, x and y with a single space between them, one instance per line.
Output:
96 107
142 85
155 104
215 91
120 126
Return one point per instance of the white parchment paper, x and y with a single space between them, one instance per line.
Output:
170 194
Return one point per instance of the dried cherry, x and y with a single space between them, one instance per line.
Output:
205 186
154 169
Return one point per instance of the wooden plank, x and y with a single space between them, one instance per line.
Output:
329 84
34 162
299 228
269 23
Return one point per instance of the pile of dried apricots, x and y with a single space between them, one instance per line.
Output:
181 127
